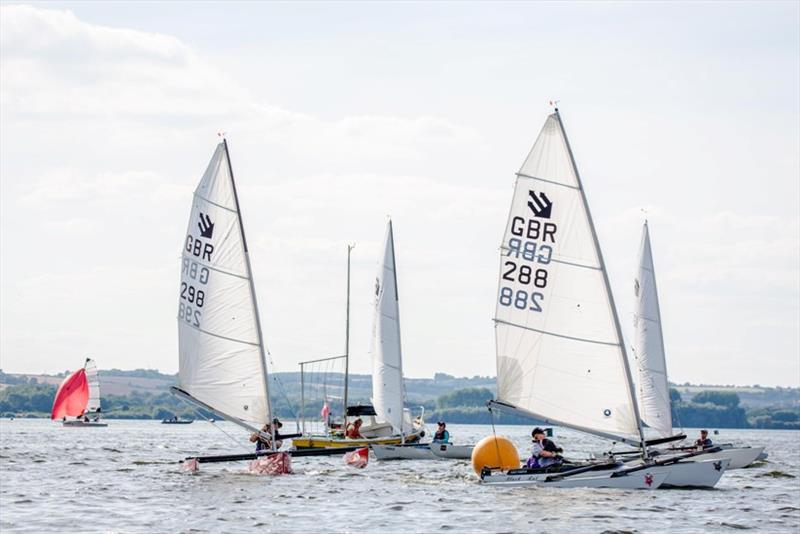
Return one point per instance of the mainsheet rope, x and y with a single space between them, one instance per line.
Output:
197 411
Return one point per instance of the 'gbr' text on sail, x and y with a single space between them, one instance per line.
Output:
528 252
194 276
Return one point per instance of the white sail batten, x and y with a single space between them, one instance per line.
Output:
387 360
559 348
93 380
652 387
221 352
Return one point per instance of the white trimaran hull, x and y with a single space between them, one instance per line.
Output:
644 479
696 474
738 457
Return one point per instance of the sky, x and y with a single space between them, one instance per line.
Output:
341 114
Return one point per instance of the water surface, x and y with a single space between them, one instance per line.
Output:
126 478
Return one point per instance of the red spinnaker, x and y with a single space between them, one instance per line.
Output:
72 396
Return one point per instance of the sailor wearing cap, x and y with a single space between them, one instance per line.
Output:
544 452
441 435
263 440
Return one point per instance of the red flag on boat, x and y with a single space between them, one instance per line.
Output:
326 411
72 396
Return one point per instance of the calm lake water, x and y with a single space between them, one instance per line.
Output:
126 478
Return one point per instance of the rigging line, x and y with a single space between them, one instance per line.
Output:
199 413
494 434
277 380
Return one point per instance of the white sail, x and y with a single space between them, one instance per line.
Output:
653 388
221 354
94 386
387 360
560 355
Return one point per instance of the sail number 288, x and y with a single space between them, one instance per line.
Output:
525 274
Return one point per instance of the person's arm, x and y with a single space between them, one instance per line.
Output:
446 437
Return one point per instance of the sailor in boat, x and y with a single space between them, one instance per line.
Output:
704 441
263 441
544 453
441 435
354 429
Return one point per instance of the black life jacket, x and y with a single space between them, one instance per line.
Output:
549 446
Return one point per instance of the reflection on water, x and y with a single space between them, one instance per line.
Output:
126 477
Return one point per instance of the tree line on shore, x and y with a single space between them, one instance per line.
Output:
713 409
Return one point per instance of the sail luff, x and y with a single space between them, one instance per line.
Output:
623 352
653 386
254 301
387 372
92 378
400 385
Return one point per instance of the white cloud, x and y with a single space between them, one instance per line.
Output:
106 131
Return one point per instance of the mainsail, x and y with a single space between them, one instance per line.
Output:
93 403
387 359
72 396
653 388
560 354
222 361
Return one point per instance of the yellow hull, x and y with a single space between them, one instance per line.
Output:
325 442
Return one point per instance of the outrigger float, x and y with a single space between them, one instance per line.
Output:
561 358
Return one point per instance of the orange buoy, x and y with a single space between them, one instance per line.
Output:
494 451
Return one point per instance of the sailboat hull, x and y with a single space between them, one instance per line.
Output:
327 442
647 479
428 451
84 424
694 473
403 452
739 456
453 452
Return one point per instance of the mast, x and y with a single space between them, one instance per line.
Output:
252 294
631 392
347 337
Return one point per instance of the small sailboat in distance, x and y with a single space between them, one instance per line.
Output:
651 363
222 361
560 352
386 421
78 396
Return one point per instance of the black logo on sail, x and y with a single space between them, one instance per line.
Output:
206 226
540 205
